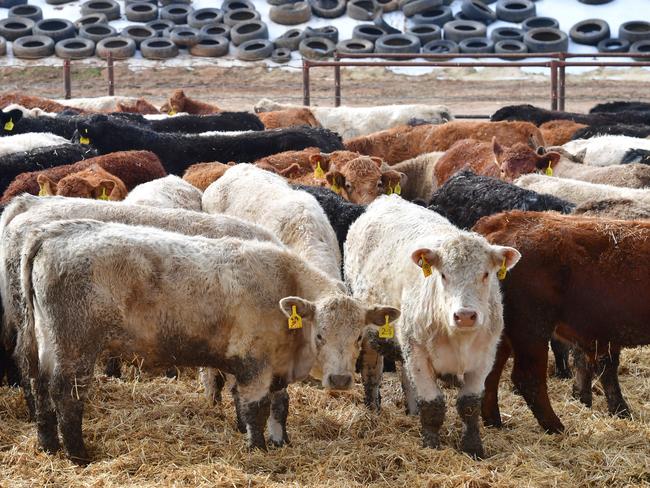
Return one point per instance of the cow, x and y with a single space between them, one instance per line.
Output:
92 182
292 117
536 115
558 132
179 102
604 150
168 192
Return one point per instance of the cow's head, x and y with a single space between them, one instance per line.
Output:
521 159
337 325
464 274
8 120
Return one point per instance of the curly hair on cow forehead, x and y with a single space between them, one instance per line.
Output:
464 248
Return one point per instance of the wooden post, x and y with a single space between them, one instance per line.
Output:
67 84
111 75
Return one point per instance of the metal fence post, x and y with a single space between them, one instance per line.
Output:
67 84
562 82
111 74
337 82
554 85
305 83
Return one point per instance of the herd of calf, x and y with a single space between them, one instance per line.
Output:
286 251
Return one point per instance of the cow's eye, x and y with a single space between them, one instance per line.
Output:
485 276
360 338
319 339
444 276
348 186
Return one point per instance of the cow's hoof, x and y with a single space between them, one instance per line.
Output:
80 458
553 428
563 374
473 447
493 421
622 412
49 444
431 440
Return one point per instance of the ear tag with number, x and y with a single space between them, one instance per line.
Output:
549 170
390 190
9 126
386 331
318 172
103 196
84 139
398 189
41 190
501 274
426 267
295 321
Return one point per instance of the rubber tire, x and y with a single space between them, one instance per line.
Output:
31 12
518 47
218 29
3 46
388 5
623 46
633 36
594 2
281 55
291 13
369 32
461 16
561 44
56 2
476 45
380 22
110 8
387 44
506 12
138 33
363 9
97 32
158 48
477 10
589 38
439 16
141 12
233 17
204 16
247 31
63 50
539 22
500 34
45 49
211 47
229 5
263 52
355 46
157 25
290 39
640 47
176 12
417 6
328 32
63 29
328 13
440 46
309 50
18 27
90 19
125 51
454 31
185 36
425 32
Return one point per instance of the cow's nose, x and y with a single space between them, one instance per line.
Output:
340 381
465 318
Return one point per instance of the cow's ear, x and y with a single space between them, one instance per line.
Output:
509 254
497 149
424 256
304 308
548 159
316 159
377 160
335 179
103 190
376 315
46 187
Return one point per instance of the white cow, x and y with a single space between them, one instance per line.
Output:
98 104
605 150
28 141
168 192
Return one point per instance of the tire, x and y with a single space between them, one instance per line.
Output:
138 33
589 32
141 12
233 17
417 6
594 2
363 9
475 45
152 2
211 47
507 34
461 16
184 36
158 48
380 22
109 8
247 31
120 47
369 32
425 32
31 12
33 47
176 12
636 30
511 46
614 46
56 29
164 3
97 32
441 46
457 30
204 16
290 39
328 32
328 9
515 10
11 3
388 5
3 46
74 48
290 13
316 48
546 41
539 22
90 19
439 16
229 5
477 10
161 26
255 50
398 44
640 47
281 55
216 29
13 28
355 46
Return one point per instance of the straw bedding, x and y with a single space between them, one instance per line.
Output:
153 431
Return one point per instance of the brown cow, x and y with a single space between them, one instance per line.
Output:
405 142
179 102
579 277
202 175
559 132
93 182
29 101
141 106
292 117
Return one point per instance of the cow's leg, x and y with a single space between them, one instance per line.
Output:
277 422
410 397
255 406
468 406
561 352
372 367
583 376
241 425
26 371
113 367
46 424
213 381
490 404
608 366
430 400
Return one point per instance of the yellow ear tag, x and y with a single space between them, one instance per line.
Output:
41 190
397 189
390 190
501 274
426 267
84 139
318 172
335 188
295 321
386 331
171 112
9 126
549 170
103 196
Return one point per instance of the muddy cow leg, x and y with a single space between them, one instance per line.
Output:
490 404
213 381
46 424
584 375
255 405
113 367
241 425
608 366
277 422
410 397
468 405
561 354
372 366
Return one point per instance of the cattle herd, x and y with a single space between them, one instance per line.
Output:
267 247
